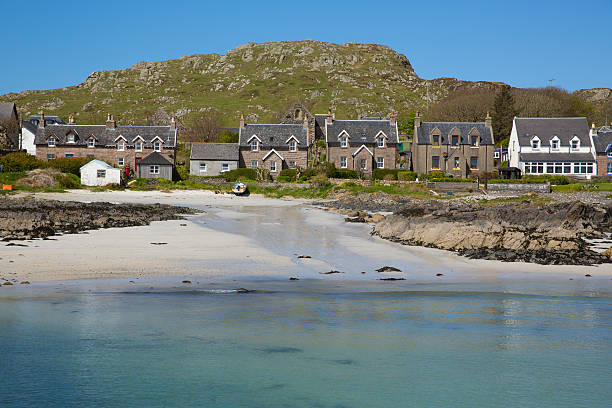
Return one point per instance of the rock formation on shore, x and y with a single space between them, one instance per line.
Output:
27 218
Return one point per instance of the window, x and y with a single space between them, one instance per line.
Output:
435 162
90 156
474 163
254 145
69 155
254 164
363 164
609 168
50 156
456 163
583 168
554 144
496 155
224 167
272 166
380 162
120 161
138 146
381 142
51 142
435 140
70 138
455 140
154 169
474 141
343 162
157 146
535 144
534 168
292 165
292 147
120 146
610 153
343 142
203 167
575 144
101 173
91 142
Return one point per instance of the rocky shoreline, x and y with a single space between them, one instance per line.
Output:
536 231
28 218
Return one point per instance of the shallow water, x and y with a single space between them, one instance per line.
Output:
310 344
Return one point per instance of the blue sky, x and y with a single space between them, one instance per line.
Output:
523 43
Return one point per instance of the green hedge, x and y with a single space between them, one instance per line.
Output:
345 174
20 161
287 175
68 164
237 174
543 178
385 174
451 180
406 175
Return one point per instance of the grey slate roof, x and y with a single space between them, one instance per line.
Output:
30 126
546 128
320 125
602 139
557 157
155 158
424 132
361 131
49 120
105 136
274 136
7 111
215 151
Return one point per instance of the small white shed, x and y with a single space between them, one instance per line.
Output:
99 173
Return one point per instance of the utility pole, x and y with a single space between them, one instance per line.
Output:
551 81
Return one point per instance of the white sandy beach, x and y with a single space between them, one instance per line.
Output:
243 238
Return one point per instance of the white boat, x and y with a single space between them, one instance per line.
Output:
239 188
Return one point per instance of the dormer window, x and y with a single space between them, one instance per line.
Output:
51 142
254 145
157 146
70 138
138 146
554 144
381 142
343 142
609 154
474 140
455 140
435 140
575 143
535 143
120 146
292 146
91 142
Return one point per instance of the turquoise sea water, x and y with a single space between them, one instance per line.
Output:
306 344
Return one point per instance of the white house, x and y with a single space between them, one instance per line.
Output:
559 146
99 173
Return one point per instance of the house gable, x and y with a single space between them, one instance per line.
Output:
272 152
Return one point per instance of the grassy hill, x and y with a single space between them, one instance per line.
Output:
259 80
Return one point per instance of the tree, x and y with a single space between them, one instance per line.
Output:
204 128
464 105
504 111
405 124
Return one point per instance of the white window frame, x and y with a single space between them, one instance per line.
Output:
120 161
225 167
292 146
121 146
254 145
273 166
380 162
344 141
101 173
555 144
343 162
138 146
496 155
91 142
381 142
70 138
535 143
203 167
51 142
609 154
577 142
157 146
254 164
154 169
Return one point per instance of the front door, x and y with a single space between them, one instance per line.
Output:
136 169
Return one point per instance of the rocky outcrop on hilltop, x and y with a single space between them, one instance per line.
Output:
26 218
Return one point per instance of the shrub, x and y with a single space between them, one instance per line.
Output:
406 175
433 174
345 174
543 178
182 173
320 180
240 174
69 164
287 175
20 161
381 174
68 180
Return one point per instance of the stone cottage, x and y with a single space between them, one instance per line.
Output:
602 142
212 159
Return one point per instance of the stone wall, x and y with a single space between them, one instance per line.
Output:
518 188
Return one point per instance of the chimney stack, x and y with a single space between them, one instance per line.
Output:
172 123
41 123
329 118
392 118
305 122
417 119
241 120
71 119
110 122
488 121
